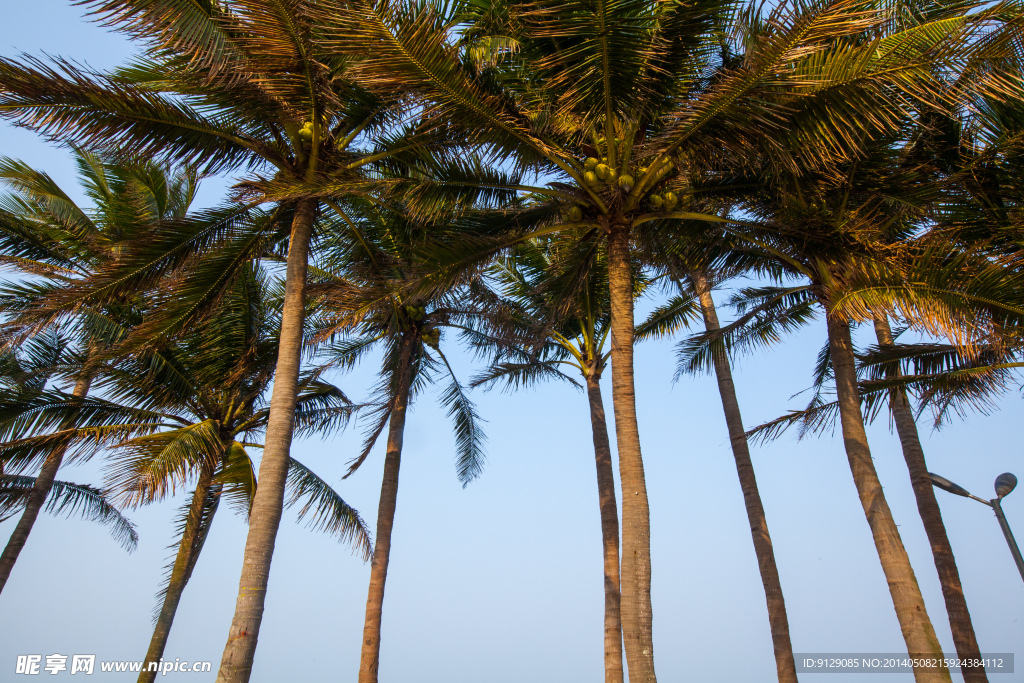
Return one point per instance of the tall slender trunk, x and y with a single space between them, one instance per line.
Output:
369 658
609 531
36 498
265 516
784 663
637 612
906 594
964 640
180 573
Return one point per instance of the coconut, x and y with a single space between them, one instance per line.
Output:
575 213
602 171
590 178
590 164
416 313
626 182
655 200
613 176
431 337
671 201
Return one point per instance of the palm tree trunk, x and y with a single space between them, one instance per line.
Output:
369 659
609 532
36 498
777 619
265 516
180 574
906 594
637 611
964 640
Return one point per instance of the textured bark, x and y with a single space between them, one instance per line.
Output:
637 612
609 531
180 574
778 621
36 498
903 588
964 640
265 516
369 658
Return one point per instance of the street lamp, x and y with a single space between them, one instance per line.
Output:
1005 483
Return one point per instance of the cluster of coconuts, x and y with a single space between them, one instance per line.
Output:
429 333
306 132
596 171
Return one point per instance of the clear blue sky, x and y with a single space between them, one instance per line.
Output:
501 582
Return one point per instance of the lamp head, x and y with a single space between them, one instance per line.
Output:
1005 483
947 485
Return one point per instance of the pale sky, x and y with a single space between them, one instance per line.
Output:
501 582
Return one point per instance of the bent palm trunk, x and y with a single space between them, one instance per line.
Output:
906 594
637 612
369 659
778 621
609 531
265 515
36 498
964 639
180 574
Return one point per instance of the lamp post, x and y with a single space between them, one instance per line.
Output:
1005 483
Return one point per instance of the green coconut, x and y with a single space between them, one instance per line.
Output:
613 176
655 200
590 178
602 171
431 337
575 214
590 164
671 201
626 182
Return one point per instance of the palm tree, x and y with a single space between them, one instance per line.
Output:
836 242
363 301
49 241
529 338
699 287
611 101
209 390
245 84
189 410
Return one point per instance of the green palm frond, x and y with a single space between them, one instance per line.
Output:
326 509
150 467
65 101
669 318
70 500
516 376
773 312
469 438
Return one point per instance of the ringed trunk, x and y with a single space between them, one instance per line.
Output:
180 574
906 594
637 612
265 516
369 658
778 621
609 532
36 498
964 639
